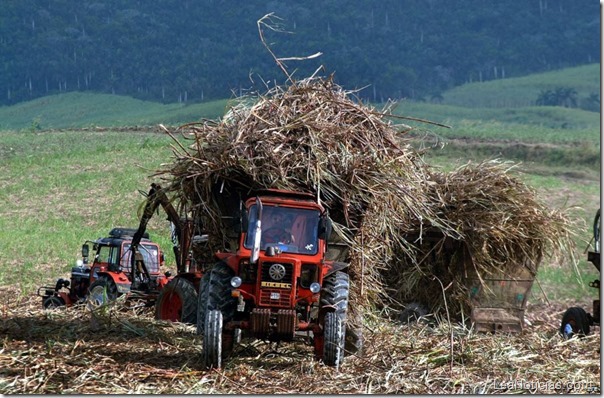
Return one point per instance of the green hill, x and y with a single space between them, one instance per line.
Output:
525 123
524 91
73 110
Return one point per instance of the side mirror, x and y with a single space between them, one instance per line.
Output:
85 250
257 233
325 227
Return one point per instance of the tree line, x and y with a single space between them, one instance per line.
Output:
197 50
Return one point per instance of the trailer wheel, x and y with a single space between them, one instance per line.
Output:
102 292
574 321
215 294
212 339
333 346
177 302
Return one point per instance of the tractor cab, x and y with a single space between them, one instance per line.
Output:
286 229
114 254
129 270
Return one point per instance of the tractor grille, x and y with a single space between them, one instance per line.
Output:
276 292
275 297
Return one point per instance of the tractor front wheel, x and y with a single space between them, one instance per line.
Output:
177 302
53 302
212 339
102 292
333 344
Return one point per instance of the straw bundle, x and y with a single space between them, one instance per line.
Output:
504 232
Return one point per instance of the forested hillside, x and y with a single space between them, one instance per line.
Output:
194 50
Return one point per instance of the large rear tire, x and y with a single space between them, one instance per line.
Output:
102 292
335 292
212 339
177 302
577 320
333 333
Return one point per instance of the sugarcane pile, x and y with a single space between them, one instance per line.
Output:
312 136
504 233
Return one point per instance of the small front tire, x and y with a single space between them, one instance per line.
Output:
53 302
334 340
212 340
102 292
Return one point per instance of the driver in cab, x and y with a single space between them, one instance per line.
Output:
275 227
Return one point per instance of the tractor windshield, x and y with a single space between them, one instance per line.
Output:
292 230
150 256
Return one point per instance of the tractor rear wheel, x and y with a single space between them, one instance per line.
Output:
574 321
335 292
212 339
177 302
333 345
102 292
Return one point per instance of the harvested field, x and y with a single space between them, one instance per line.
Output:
122 351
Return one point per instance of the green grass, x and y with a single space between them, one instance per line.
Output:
563 124
61 188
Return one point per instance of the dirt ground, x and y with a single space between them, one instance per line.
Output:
124 350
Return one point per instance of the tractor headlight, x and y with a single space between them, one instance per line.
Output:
235 281
315 287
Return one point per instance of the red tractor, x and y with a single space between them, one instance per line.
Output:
115 269
127 262
576 321
277 282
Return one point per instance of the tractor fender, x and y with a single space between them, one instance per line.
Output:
325 309
335 266
163 280
193 277
120 279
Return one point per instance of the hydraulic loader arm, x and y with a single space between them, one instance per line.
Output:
155 198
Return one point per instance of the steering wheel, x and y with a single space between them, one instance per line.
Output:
276 235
